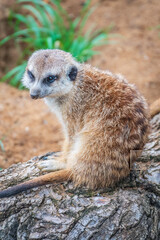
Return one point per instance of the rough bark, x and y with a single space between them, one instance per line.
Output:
59 211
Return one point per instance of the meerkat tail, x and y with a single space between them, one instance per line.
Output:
59 176
155 108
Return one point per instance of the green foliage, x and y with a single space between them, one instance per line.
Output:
2 146
49 26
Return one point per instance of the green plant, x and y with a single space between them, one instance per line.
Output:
2 146
49 26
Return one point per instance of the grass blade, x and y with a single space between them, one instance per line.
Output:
2 147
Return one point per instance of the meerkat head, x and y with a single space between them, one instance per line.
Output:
50 73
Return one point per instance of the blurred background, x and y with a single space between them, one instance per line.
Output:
122 36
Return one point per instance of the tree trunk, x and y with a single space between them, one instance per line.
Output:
59 211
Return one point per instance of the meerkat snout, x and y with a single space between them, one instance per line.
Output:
36 91
35 94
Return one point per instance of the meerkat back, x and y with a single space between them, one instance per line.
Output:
114 130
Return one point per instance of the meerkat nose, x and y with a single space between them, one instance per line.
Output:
34 95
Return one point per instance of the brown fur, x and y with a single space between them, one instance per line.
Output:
106 124
112 122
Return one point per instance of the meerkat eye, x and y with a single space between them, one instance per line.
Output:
73 73
30 74
50 79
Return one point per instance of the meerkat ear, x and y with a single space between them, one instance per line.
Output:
73 73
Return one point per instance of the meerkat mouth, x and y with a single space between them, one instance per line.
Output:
35 97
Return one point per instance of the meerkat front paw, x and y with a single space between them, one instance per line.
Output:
50 165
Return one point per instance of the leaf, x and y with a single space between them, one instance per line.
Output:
40 2
35 12
97 40
10 73
49 42
2 147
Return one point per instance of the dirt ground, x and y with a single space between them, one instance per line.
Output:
27 128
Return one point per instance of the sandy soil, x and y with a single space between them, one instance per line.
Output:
27 128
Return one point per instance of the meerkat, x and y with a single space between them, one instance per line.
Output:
104 118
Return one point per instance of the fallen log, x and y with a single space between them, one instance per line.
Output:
60 211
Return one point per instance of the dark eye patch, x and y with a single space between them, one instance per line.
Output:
30 74
73 73
50 79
